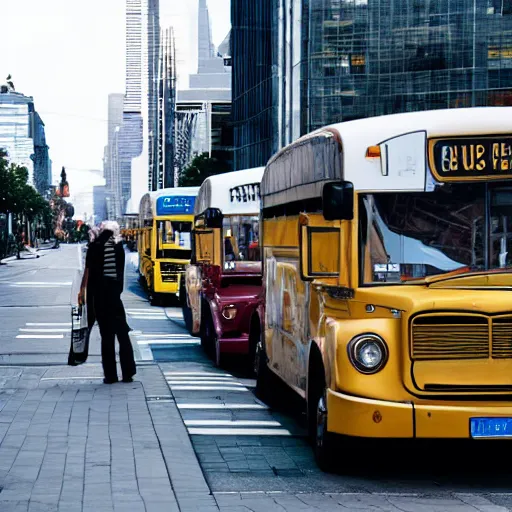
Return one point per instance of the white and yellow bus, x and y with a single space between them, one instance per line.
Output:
164 240
388 274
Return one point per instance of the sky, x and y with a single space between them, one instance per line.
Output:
70 56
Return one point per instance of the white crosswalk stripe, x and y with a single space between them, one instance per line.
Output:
44 331
204 417
40 284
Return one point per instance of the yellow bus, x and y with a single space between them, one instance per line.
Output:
388 270
164 240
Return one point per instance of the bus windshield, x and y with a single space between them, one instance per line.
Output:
241 243
174 239
457 227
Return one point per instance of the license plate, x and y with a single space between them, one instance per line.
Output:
490 427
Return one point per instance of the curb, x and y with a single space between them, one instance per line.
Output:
189 484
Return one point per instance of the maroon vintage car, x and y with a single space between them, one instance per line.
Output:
224 282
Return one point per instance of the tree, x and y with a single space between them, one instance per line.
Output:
202 167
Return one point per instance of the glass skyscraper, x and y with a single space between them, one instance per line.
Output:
374 57
302 64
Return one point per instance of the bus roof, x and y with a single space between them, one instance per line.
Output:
168 201
338 152
234 193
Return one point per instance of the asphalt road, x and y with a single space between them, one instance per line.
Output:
242 443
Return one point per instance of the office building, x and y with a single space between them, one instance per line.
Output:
254 88
138 134
16 128
41 158
203 110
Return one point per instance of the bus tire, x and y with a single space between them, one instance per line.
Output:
263 373
206 327
187 316
323 441
254 339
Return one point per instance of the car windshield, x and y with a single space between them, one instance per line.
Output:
457 227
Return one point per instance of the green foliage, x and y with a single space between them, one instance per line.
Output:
16 196
202 167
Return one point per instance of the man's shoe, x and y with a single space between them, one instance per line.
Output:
128 379
110 381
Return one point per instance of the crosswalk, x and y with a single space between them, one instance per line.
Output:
44 330
40 284
215 403
147 314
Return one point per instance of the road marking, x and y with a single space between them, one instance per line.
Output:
67 324
184 378
177 335
222 406
143 313
64 283
168 341
72 378
209 388
199 374
40 336
44 330
144 309
202 383
239 431
232 423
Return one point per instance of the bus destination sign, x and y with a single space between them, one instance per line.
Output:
175 205
245 193
460 159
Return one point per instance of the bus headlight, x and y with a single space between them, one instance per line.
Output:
368 353
229 312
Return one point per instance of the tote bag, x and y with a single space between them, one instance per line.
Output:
80 333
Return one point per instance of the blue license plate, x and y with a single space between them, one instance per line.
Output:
490 427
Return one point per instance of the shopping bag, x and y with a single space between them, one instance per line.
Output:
80 334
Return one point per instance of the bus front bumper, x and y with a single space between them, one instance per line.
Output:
166 287
364 417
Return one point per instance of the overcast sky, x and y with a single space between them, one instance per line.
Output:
70 55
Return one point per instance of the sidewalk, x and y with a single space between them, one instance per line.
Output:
70 443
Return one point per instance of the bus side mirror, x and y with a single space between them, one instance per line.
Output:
213 218
338 201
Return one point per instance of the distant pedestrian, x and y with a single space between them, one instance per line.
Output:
104 280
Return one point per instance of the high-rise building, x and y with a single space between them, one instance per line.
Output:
40 157
138 135
254 86
203 111
16 128
116 197
302 64
367 58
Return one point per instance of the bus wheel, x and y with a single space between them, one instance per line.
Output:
206 330
323 441
217 355
254 340
263 376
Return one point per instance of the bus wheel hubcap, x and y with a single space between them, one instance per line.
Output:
321 422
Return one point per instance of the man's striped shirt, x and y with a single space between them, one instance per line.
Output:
109 266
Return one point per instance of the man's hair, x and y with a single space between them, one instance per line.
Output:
111 225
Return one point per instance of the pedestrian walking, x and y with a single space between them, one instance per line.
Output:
104 280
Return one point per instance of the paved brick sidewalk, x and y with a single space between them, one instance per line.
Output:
70 443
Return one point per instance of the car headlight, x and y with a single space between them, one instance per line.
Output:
368 353
229 312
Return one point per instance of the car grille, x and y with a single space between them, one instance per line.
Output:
436 337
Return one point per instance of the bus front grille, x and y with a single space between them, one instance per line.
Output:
502 338
437 337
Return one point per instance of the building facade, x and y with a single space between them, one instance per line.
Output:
16 129
203 110
254 83
138 139
41 157
337 60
